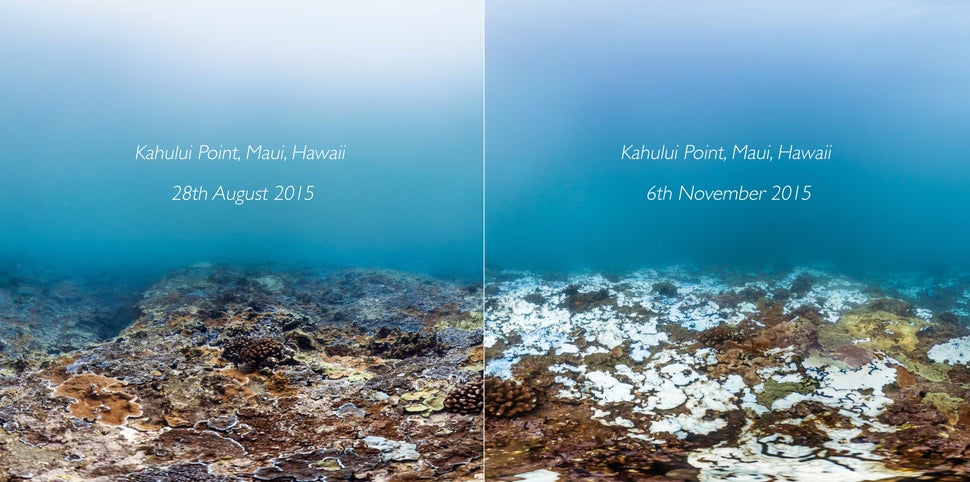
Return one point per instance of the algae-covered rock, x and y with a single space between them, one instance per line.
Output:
474 320
774 390
833 335
946 404
934 372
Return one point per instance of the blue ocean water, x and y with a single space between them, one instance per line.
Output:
570 83
83 87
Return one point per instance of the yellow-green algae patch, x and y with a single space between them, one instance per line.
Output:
424 401
473 321
774 390
946 404
882 330
934 372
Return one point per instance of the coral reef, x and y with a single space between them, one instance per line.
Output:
681 374
929 440
227 373
801 284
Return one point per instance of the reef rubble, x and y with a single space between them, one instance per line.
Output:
228 373
683 375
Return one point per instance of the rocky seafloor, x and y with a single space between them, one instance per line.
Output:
225 374
681 375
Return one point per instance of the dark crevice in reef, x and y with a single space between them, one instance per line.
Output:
54 313
120 318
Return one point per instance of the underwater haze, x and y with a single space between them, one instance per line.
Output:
394 86
884 84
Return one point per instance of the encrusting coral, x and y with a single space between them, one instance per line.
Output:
739 361
99 399
853 355
506 398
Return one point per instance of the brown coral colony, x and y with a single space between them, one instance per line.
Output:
466 399
506 398
253 352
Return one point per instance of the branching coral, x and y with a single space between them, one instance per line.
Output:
179 473
808 313
898 307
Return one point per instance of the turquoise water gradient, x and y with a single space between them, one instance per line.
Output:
568 83
886 83
83 85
